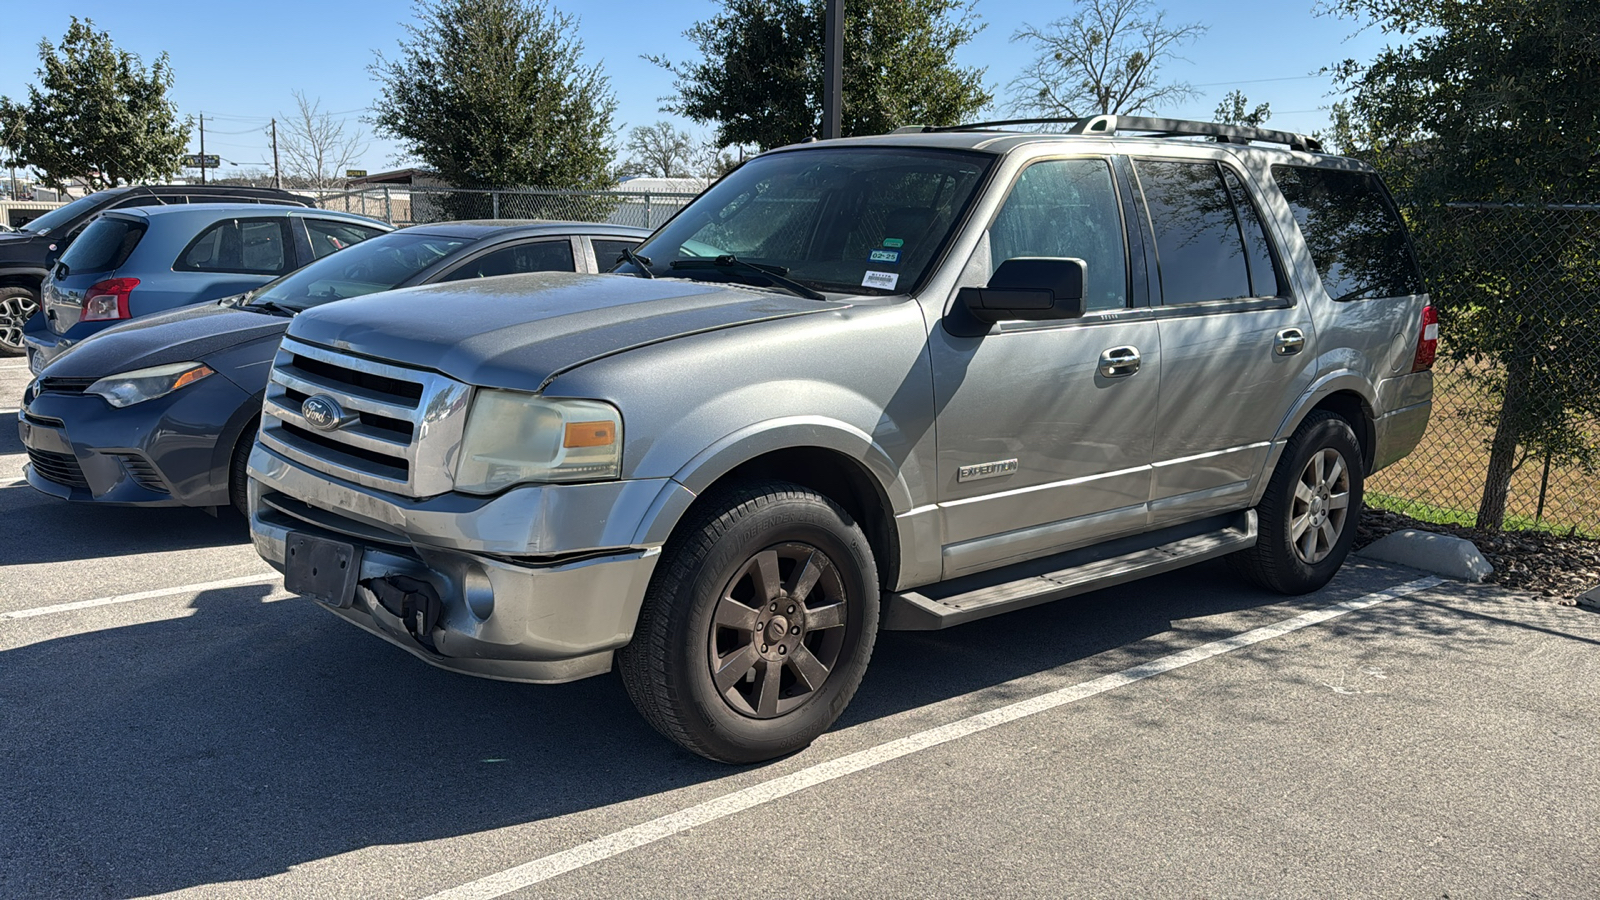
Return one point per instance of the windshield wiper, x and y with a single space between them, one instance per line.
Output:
776 278
269 306
642 262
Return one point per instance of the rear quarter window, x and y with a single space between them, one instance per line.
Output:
104 245
1356 236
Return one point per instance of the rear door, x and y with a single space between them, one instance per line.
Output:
1039 448
227 257
1237 345
541 255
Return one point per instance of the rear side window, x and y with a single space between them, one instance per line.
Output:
246 246
1067 208
328 236
608 252
1356 237
544 256
1200 246
104 245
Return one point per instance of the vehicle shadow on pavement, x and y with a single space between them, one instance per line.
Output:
59 531
252 737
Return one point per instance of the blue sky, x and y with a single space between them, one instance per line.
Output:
239 62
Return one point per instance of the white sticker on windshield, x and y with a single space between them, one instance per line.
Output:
884 280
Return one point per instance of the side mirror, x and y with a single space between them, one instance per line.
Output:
1027 288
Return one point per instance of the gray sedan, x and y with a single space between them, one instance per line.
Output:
162 411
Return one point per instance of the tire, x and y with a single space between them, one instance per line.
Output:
17 305
238 476
1308 515
787 671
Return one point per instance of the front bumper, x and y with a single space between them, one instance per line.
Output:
538 584
171 451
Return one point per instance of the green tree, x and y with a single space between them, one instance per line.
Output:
1482 115
1104 58
493 93
1235 110
759 79
98 114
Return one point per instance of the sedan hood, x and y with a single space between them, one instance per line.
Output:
189 333
520 331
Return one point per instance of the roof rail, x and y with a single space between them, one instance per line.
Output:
1108 125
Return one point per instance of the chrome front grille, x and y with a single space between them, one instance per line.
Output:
400 430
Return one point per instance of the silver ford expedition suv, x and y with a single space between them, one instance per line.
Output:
897 382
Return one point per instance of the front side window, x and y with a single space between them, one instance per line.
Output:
540 256
1200 249
1067 208
328 236
246 246
860 220
1356 237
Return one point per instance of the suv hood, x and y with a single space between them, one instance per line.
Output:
187 333
520 331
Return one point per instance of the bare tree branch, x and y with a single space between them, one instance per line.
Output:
1104 58
314 145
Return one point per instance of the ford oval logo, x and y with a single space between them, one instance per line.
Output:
322 412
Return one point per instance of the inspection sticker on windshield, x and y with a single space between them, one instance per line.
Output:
884 280
893 242
888 256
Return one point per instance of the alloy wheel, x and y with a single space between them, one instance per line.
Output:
1321 506
14 312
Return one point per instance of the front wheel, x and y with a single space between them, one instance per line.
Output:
17 305
1308 515
757 627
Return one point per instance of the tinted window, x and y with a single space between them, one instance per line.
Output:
856 219
252 246
608 252
1067 208
543 256
104 244
328 236
1265 279
61 215
375 265
1199 249
1355 235
143 200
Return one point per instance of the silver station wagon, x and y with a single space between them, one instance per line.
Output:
896 382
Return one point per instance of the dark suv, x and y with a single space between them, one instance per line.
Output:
26 254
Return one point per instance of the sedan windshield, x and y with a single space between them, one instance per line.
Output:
859 220
376 264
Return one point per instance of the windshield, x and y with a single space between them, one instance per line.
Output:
375 264
853 219
61 215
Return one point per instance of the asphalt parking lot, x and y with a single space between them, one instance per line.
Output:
172 723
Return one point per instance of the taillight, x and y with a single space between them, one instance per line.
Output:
107 300
1428 341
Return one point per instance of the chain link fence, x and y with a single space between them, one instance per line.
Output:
1514 441
416 205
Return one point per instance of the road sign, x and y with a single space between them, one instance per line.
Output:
355 173
196 161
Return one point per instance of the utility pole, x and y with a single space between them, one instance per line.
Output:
277 180
832 69
202 148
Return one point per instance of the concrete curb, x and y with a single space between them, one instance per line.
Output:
1440 554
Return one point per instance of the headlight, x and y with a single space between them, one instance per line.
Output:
140 385
514 437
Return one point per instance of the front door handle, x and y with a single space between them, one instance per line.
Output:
1119 362
1289 342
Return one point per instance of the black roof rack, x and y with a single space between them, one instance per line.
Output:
1111 125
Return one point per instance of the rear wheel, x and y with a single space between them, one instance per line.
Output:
757 627
17 305
1308 515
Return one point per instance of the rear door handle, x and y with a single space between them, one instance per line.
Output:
1119 362
1289 342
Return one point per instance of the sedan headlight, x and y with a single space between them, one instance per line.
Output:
140 385
514 437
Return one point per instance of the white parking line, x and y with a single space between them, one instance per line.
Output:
603 848
142 595
10 412
13 365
